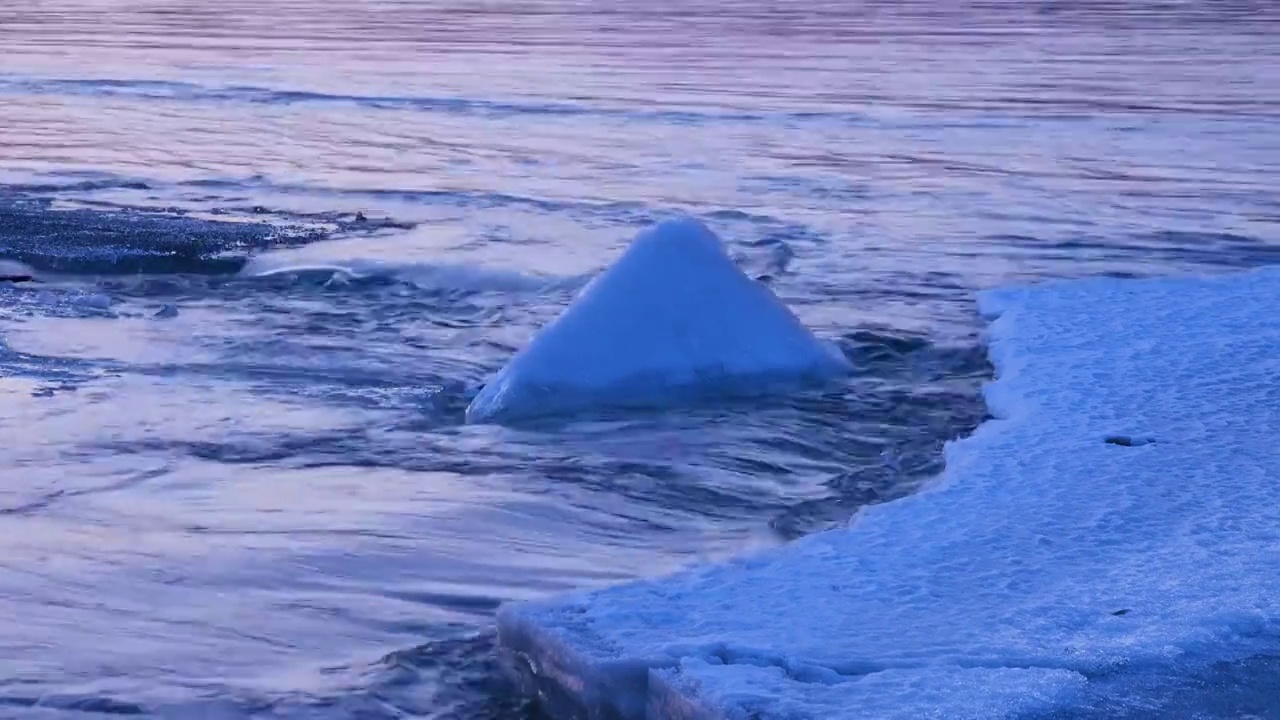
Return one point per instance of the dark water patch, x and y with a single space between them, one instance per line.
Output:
345 534
636 212
87 705
253 95
1127 441
43 502
126 242
260 199
175 286
880 348
872 440
1159 248
344 223
299 450
466 683
292 225
915 397
434 399
455 678
52 374
76 186
483 607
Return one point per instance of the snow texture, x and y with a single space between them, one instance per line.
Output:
1120 515
698 690
672 318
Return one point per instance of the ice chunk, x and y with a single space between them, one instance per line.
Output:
1044 555
674 316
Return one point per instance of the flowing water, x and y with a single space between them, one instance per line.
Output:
281 243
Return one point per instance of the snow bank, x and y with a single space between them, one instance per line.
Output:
673 317
1121 514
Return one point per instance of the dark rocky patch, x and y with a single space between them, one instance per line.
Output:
1127 441
97 241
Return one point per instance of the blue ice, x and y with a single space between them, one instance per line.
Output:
1120 515
671 318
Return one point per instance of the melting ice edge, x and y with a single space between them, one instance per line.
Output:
1044 560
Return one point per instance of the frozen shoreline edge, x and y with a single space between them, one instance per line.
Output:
549 665
628 690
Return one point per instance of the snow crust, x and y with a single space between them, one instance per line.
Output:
1121 514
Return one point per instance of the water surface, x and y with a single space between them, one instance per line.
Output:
282 243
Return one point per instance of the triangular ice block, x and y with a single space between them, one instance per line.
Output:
674 317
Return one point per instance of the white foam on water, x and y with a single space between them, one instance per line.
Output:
342 262
1044 560
672 316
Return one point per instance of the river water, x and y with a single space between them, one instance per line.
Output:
281 243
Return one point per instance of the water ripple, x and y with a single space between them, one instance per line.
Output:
277 247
